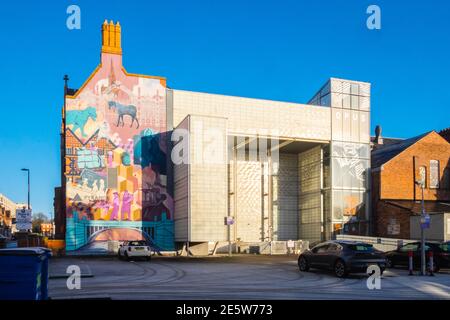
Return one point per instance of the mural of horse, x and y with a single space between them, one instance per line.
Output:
79 118
123 110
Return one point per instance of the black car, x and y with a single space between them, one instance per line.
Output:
343 257
400 257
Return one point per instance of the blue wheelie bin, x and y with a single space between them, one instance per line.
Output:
24 273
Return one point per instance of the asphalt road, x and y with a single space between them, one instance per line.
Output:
240 277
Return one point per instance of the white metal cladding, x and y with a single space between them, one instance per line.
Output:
310 202
249 202
181 194
285 198
254 116
208 188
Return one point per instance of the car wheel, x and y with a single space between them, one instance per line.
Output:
389 263
126 256
340 269
119 255
303 264
148 258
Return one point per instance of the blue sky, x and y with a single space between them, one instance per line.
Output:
281 50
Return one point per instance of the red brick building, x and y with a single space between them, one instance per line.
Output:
395 168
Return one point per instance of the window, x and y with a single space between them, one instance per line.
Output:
355 102
354 88
410 247
423 176
434 174
137 243
346 101
361 247
320 248
332 247
445 247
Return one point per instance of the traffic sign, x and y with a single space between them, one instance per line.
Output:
229 221
23 219
425 221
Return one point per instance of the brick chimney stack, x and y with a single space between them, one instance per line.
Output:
111 38
378 138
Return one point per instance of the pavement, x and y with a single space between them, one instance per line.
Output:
239 277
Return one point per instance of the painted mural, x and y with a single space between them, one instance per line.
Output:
116 160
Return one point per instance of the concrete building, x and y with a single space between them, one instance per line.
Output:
396 198
187 160
7 215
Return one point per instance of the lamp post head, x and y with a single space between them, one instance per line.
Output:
25 169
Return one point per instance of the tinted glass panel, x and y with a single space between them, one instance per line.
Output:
410 247
137 243
320 248
355 88
361 247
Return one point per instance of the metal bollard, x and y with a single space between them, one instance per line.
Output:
430 255
410 258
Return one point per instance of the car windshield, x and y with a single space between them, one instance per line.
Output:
361 247
136 243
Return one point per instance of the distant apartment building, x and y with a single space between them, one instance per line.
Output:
397 164
7 215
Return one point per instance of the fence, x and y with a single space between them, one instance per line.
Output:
267 247
382 244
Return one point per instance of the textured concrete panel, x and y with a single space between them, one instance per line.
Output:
253 116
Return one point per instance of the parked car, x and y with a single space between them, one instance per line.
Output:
343 257
131 249
400 257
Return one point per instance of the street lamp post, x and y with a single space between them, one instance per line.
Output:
28 171
422 232
62 215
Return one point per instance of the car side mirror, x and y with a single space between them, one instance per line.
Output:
121 245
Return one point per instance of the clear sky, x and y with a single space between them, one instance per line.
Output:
281 50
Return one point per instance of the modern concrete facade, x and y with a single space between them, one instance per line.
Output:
189 160
289 171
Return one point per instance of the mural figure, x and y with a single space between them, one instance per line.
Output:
127 199
79 118
116 205
123 110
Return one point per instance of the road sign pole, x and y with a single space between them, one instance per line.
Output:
410 259
228 222
422 238
430 254
229 240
